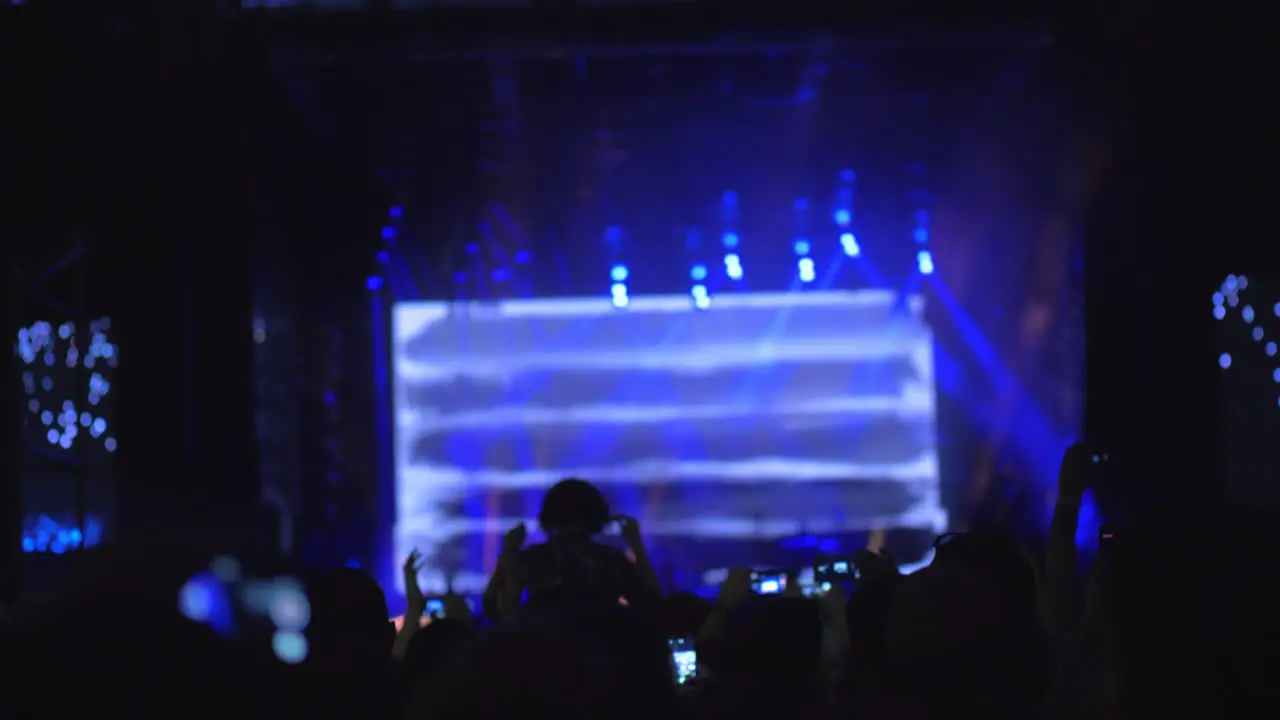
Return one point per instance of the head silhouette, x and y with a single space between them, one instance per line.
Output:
573 506
962 634
348 615
781 642
516 670
433 645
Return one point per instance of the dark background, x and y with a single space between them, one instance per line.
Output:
177 145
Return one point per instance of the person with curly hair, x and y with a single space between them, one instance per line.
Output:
571 569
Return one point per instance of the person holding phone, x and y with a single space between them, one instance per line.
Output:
571 569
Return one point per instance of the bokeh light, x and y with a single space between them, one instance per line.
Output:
70 402
42 533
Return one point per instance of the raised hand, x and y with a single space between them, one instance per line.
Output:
630 528
872 565
412 590
513 541
735 589
456 607
832 606
792 588
1076 472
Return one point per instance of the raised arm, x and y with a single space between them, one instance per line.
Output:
1059 605
416 606
648 577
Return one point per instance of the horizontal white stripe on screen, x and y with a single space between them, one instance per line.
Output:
680 357
411 317
918 402
418 480
921 517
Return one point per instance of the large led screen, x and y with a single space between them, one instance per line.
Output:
758 418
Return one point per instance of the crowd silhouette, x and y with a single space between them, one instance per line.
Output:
1175 615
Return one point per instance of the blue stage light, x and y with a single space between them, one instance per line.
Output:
396 212
373 283
849 244
924 261
388 233
842 217
698 272
619 293
701 299
807 272
733 266
619 273
802 246
730 240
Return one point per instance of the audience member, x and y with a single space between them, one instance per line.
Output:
518 669
1178 618
570 569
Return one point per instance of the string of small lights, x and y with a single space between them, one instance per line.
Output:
1230 296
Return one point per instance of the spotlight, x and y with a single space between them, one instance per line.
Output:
807 273
924 261
849 244
733 266
700 298
619 294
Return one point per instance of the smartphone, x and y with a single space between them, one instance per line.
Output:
684 658
835 571
435 609
768 582
816 589
269 611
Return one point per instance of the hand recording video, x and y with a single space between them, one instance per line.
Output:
835 572
684 658
769 582
435 609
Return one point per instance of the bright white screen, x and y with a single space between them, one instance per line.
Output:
761 417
